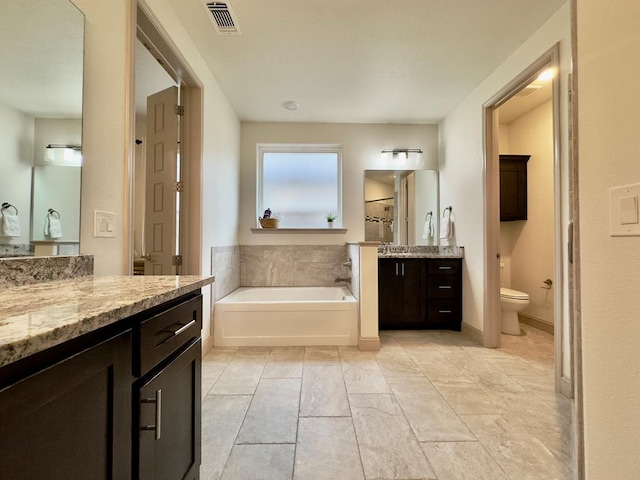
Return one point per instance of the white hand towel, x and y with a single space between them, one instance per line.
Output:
380 228
446 228
427 231
52 227
10 226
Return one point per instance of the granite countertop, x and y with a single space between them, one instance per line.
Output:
36 317
417 251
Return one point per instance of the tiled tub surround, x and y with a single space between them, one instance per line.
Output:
33 270
353 253
292 265
225 265
36 317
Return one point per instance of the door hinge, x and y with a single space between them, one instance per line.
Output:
176 260
179 187
178 110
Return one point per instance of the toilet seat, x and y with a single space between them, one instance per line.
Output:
513 294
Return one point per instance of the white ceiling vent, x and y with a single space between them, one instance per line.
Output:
528 90
223 18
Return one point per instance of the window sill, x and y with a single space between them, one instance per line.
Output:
299 230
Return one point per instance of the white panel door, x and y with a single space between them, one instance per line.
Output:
161 178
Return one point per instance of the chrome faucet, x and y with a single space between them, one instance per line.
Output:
341 279
348 263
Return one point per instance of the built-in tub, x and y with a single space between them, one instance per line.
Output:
286 316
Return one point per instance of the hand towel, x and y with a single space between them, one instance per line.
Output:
380 228
52 227
10 226
427 231
446 228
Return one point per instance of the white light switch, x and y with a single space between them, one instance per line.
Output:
104 224
623 211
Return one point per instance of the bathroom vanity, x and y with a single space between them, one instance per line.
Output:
100 378
420 288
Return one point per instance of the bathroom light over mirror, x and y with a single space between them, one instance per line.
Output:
397 204
40 106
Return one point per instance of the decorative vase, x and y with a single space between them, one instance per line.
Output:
329 224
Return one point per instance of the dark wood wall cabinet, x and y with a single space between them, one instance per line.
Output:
513 187
420 293
121 402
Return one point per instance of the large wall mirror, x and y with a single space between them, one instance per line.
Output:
42 46
401 206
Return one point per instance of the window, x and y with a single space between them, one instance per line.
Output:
300 184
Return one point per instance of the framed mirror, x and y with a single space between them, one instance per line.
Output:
401 206
42 45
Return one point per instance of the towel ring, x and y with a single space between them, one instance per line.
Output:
51 211
6 205
428 216
450 209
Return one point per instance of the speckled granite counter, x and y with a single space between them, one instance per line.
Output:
36 317
419 251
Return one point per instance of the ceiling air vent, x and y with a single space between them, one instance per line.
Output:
223 19
528 90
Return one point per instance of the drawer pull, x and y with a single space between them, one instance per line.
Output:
183 328
444 311
445 268
158 426
444 287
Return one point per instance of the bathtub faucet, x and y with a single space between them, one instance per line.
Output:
346 280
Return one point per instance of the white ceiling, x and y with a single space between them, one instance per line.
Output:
518 105
369 61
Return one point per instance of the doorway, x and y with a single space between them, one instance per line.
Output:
168 242
559 294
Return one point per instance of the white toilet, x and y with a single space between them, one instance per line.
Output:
511 302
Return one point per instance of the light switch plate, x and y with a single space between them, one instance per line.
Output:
623 211
104 224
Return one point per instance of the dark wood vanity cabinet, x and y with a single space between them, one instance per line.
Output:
121 402
419 293
401 286
513 187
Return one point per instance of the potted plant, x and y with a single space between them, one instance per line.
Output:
330 218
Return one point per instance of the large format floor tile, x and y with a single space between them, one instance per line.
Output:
428 405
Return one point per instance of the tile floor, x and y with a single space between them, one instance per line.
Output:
428 405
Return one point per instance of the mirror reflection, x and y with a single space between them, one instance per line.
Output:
41 105
401 206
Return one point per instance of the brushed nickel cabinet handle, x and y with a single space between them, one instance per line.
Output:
445 268
184 327
444 287
158 426
444 311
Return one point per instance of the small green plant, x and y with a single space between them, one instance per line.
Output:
331 217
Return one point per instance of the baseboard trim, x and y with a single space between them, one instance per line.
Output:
536 322
473 333
207 345
371 344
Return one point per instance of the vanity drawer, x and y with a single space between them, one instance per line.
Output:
447 266
443 286
165 333
444 312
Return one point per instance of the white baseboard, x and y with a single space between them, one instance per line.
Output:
473 333
207 345
369 344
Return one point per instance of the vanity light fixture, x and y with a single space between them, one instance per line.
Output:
68 152
401 155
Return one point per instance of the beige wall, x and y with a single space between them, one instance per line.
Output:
361 147
526 247
609 102
462 152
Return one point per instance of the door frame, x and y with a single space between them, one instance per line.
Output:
151 33
492 211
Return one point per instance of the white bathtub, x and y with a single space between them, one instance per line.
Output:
286 316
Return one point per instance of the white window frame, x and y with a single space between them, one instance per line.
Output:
263 148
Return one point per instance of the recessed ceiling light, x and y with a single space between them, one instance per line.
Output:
290 105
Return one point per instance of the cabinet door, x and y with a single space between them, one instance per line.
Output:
413 311
387 293
513 187
71 420
168 419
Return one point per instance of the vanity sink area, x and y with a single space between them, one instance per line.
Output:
420 287
99 376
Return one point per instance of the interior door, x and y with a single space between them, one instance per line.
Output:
160 230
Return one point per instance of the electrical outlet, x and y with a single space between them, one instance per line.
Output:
104 224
